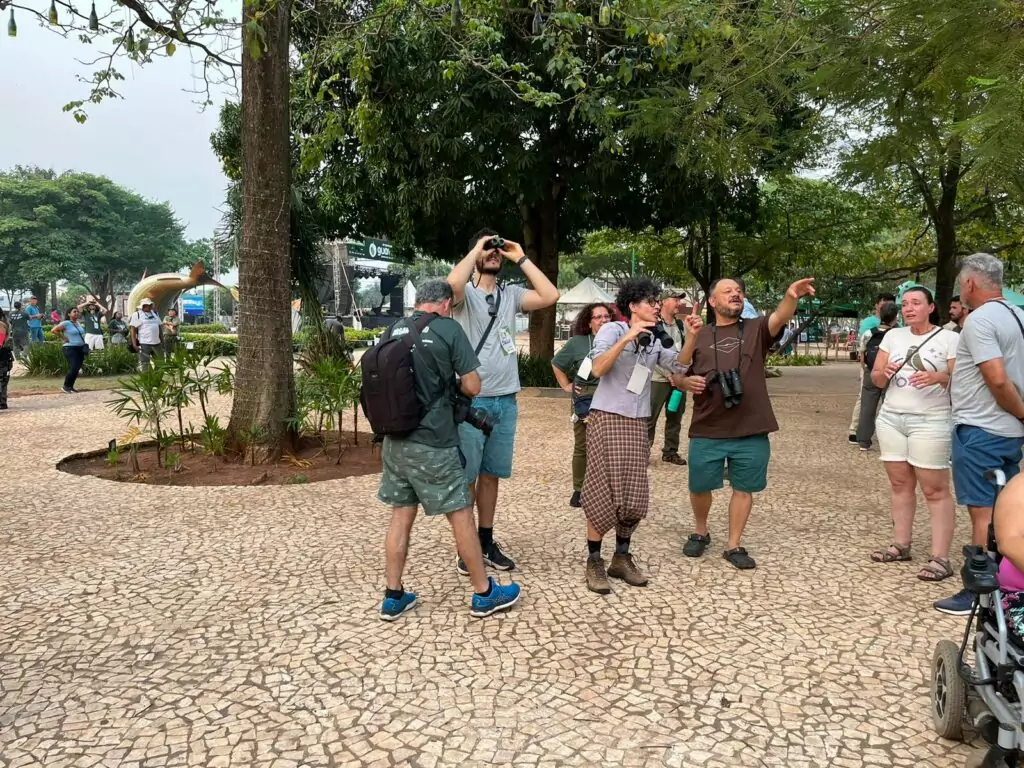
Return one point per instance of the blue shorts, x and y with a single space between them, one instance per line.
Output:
976 452
491 455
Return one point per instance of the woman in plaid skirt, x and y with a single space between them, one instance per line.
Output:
616 492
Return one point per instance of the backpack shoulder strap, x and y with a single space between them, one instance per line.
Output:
413 339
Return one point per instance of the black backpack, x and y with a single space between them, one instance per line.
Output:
388 394
871 348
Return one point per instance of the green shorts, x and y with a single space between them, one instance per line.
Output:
747 458
415 473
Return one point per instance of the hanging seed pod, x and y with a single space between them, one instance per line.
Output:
53 13
538 22
456 14
129 41
12 26
94 20
604 17
559 6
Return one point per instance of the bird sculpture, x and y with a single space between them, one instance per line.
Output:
164 289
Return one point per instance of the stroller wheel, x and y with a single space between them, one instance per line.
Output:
949 691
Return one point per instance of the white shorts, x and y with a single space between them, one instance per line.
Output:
94 340
921 440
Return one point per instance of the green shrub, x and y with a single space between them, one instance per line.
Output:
367 334
205 328
207 344
49 360
45 360
535 371
114 360
794 361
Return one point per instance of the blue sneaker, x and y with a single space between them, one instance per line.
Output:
501 599
959 604
393 607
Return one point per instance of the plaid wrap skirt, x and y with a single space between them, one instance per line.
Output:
616 493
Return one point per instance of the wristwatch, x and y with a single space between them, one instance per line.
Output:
520 262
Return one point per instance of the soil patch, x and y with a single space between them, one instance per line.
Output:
311 462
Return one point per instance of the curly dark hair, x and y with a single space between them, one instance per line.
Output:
634 291
581 326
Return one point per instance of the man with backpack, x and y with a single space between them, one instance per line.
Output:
409 392
870 395
867 325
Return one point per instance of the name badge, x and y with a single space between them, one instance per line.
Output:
638 379
508 344
585 368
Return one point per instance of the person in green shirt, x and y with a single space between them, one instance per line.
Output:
172 324
566 366
92 314
426 467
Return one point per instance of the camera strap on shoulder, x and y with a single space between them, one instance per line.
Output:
490 325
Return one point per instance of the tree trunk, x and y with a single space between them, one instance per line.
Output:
264 396
945 229
540 241
39 291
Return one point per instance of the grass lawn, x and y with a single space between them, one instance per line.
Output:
47 385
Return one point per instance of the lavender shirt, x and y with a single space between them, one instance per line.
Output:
612 395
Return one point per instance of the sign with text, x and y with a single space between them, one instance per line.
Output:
193 305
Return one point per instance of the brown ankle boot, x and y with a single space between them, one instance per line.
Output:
597 578
624 567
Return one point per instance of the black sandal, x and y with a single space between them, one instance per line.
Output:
739 558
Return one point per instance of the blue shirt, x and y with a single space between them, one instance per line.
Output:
869 323
74 334
35 316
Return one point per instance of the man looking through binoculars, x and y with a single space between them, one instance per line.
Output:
732 413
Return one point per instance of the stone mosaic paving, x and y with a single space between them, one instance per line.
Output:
144 626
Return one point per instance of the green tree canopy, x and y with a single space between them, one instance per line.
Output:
83 228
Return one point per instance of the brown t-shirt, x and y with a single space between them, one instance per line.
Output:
753 415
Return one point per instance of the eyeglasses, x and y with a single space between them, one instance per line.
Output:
492 308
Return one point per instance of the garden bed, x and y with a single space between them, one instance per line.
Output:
311 462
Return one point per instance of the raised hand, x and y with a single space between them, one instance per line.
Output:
693 321
801 288
513 251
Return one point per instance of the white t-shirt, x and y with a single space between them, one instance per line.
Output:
901 343
148 324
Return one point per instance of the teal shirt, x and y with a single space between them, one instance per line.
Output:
869 323
450 347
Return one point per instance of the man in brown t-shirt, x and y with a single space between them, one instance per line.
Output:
732 413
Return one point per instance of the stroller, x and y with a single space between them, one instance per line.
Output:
991 692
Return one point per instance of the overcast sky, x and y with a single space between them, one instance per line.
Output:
154 141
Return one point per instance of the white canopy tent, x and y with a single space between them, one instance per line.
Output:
583 293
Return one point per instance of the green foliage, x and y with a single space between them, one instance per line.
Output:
798 361
208 345
48 360
325 389
85 228
535 371
205 328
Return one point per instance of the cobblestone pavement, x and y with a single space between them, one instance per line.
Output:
145 626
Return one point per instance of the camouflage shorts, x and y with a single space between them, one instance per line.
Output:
415 473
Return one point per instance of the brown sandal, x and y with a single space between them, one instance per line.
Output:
936 569
887 555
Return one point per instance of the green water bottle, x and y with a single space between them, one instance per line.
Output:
674 400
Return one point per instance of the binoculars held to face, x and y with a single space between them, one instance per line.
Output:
496 243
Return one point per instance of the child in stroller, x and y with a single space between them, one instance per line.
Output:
992 691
